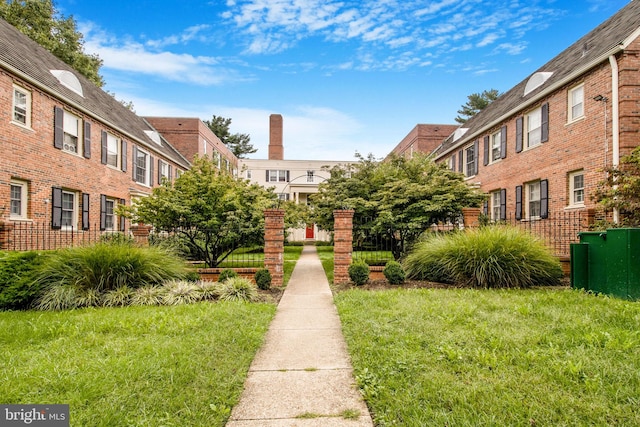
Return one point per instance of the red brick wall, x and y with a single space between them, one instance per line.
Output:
343 244
29 155
274 245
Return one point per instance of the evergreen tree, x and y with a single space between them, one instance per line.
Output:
238 143
476 103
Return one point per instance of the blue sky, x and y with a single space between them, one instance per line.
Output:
347 76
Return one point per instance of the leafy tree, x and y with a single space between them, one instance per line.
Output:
238 143
400 197
476 103
40 21
621 190
214 212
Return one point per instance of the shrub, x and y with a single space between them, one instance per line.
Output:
117 238
488 257
17 289
238 289
263 279
226 274
359 272
107 266
178 292
394 273
208 290
58 297
192 276
118 297
148 295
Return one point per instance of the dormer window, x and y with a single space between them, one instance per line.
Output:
68 80
535 81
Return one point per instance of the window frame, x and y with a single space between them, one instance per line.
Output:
529 201
27 107
537 113
67 116
571 104
277 175
573 189
118 152
494 205
148 168
310 176
495 144
470 166
73 210
24 199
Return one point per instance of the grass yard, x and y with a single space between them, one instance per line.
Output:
135 366
463 357
325 253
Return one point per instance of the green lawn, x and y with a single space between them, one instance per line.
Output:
325 253
463 357
135 366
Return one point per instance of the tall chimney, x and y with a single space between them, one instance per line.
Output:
276 149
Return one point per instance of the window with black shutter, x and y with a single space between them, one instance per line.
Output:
56 208
519 133
87 140
85 211
519 202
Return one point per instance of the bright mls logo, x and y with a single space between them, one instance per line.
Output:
34 415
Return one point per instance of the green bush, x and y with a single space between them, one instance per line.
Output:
227 274
359 272
107 266
488 257
263 279
17 289
59 297
238 289
148 295
179 292
118 297
394 273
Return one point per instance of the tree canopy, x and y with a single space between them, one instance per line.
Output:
40 21
238 143
399 198
212 211
476 102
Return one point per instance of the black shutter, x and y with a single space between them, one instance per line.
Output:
453 162
519 133
287 176
134 155
519 202
544 199
485 207
56 208
503 204
103 148
58 127
151 160
159 171
486 150
503 142
476 154
124 155
103 212
266 178
85 211
122 218
544 131
460 161
87 140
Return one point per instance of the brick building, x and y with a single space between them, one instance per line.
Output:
543 145
423 138
70 152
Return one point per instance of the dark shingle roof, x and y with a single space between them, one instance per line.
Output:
28 60
586 53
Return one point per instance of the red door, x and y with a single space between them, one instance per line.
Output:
309 233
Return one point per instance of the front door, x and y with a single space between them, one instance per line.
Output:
309 232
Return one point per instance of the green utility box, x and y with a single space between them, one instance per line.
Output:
607 262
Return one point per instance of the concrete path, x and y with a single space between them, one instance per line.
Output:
302 376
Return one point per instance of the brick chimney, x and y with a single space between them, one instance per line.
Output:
276 149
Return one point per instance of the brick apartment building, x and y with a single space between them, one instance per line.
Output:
70 153
543 145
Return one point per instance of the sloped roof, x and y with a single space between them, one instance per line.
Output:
591 50
28 60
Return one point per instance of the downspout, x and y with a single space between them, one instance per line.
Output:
615 122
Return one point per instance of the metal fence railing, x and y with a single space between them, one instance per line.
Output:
25 236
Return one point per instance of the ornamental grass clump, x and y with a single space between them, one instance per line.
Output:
488 257
238 289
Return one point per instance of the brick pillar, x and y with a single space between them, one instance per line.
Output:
5 233
141 233
470 217
274 245
343 244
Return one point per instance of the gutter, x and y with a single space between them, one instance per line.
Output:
615 122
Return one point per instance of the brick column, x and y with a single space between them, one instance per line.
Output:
274 245
343 244
470 217
141 233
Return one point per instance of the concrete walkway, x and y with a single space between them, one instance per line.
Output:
302 376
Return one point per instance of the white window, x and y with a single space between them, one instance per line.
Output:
204 147
113 151
534 128
164 170
310 176
470 160
248 174
179 173
496 139
576 188
72 133
142 167
277 175
452 163
283 196
21 106
69 209
109 215
18 200
533 199
495 205
576 103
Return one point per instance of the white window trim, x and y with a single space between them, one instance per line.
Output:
74 213
528 200
279 173
27 113
114 217
493 205
79 144
495 138
538 113
465 162
147 173
572 203
164 169
570 104
24 199
118 142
